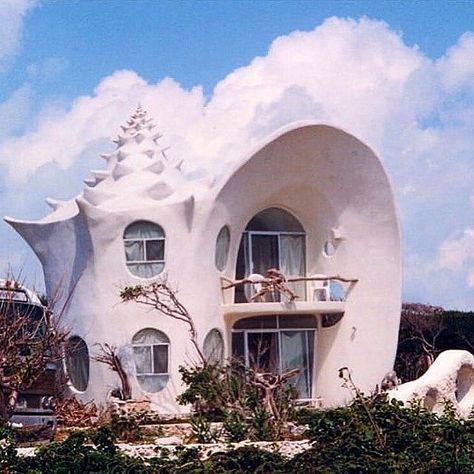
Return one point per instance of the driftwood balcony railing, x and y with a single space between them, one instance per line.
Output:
275 286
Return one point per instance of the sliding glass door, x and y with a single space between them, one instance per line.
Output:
278 346
272 239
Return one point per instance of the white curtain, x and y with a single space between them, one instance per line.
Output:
146 270
134 250
292 260
214 346
150 351
296 353
137 260
143 230
142 356
152 383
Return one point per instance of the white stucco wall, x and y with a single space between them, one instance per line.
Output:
324 176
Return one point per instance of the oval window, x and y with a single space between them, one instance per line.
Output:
151 354
222 248
77 363
144 248
214 347
329 249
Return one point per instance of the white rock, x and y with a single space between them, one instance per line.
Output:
449 379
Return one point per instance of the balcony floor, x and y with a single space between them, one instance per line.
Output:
300 307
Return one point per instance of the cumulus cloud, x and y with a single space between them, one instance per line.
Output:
12 13
14 110
355 74
418 114
453 254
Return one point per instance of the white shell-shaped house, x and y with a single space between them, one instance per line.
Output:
313 201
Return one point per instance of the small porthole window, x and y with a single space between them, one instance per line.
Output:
151 355
144 248
214 347
77 363
222 248
329 249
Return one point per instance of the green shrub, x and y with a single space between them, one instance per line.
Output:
247 459
376 435
371 435
202 429
228 393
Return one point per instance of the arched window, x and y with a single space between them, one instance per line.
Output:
151 354
144 248
272 239
214 347
77 363
222 248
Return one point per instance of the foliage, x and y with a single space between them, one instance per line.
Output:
235 426
411 440
125 427
233 394
246 459
371 435
128 426
425 331
160 296
202 429
30 339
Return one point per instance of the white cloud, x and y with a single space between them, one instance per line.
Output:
12 13
457 67
453 254
14 110
48 69
352 73
418 113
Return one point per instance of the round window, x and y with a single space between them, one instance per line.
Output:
329 249
77 363
151 354
144 248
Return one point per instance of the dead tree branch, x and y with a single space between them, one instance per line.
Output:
30 339
160 296
108 355
245 281
269 384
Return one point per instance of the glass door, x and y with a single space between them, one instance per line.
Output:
297 353
264 254
263 351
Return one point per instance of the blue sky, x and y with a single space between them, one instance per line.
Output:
399 75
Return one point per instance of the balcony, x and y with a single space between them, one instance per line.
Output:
276 294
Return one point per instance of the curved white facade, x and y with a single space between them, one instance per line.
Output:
334 186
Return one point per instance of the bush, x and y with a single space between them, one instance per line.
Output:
376 435
230 393
371 435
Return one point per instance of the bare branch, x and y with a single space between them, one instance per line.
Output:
108 355
161 297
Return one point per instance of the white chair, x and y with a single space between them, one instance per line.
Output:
255 287
319 290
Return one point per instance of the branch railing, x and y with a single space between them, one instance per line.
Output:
275 283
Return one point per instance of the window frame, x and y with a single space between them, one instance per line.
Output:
66 364
225 229
153 359
144 240
278 330
278 235
221 342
